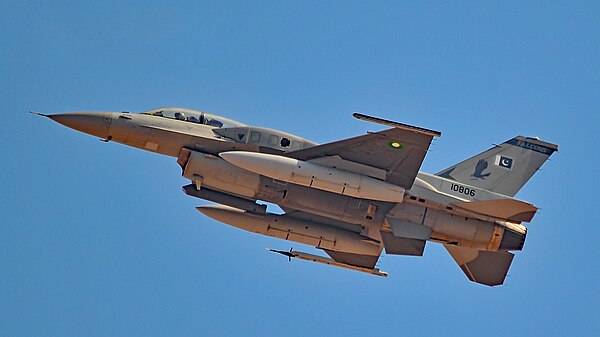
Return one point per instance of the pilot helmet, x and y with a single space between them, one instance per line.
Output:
180 115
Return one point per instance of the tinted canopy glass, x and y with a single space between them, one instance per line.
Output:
194 116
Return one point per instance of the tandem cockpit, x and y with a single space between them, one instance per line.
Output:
235 131
194 116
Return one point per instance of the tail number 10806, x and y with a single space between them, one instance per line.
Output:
463 190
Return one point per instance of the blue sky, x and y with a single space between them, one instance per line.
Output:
98 240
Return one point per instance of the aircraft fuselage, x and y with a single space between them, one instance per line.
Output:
340 206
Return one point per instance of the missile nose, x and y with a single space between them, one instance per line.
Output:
93 123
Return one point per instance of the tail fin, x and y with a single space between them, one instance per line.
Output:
504 168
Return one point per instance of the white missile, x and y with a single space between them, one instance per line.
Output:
294 229
315 176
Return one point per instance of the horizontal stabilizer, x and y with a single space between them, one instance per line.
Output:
508 209
485 267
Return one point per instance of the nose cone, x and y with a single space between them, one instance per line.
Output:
93 123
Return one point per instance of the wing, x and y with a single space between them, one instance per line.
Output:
398 151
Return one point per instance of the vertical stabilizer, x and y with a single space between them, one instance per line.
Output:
505 168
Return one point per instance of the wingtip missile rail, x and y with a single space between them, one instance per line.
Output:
403 126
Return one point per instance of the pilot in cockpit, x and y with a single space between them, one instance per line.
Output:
180 116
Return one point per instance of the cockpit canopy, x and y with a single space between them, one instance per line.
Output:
194 116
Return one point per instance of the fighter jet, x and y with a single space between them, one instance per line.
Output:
351 198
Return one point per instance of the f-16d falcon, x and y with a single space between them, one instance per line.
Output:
351 198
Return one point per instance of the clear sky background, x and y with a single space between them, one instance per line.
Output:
98 240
